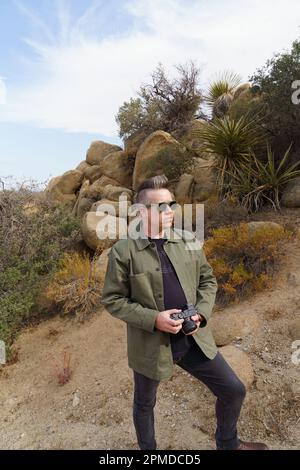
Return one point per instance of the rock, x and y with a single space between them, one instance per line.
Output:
93 173
240 362
102 230
242 91
63 188
228 326
84 205
114 192
132 143
98 150
291 194
205 179
184 188
70 181
253 227
293 279
82 166
294 329
117 165
147 150
82 194
76 400
112 207
96 190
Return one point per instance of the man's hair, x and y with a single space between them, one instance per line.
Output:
155 182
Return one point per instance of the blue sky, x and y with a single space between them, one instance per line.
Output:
67 65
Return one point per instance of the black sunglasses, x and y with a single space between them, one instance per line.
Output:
162 206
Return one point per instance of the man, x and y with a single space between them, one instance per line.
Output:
149 278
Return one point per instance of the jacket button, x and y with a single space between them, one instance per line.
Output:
157 269
160 296
167 345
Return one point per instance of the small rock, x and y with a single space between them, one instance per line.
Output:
76 400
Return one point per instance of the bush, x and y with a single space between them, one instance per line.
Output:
282 117
76 286
244 263
34 234
164 104
230 142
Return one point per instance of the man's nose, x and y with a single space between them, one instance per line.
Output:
168 211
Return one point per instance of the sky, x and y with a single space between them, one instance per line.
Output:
66 66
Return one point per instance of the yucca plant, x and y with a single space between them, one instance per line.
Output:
266 178
231 142
221 91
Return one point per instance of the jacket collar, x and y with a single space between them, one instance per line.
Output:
143 241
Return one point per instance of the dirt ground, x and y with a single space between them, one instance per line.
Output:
93 410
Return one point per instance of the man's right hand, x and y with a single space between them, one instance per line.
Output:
163 321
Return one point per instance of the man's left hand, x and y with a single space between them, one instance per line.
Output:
197 319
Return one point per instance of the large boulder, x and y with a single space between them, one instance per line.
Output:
205 179
114 192
228 326
82 166
242 91
81 195
117 165
63 188
240 362
147 151
96 190
191 134
84 205
98 150
291 194
111 207
93 173
184 188
132 143
102 230
253 227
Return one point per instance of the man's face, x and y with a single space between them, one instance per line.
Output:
157 221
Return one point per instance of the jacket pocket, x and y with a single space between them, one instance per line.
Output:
141 290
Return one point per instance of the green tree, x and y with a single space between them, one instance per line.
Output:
163 104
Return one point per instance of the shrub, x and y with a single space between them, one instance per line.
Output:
282 117
256 183
164 104
244 263
31 244
220 92
76 286
230 142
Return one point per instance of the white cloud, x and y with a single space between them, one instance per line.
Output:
80 79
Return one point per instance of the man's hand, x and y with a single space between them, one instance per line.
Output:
197 319
163 321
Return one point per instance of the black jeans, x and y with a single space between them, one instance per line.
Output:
217 375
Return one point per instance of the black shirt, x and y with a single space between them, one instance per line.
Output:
174 297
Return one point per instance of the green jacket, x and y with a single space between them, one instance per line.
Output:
133 292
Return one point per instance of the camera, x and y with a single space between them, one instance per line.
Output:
188 324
